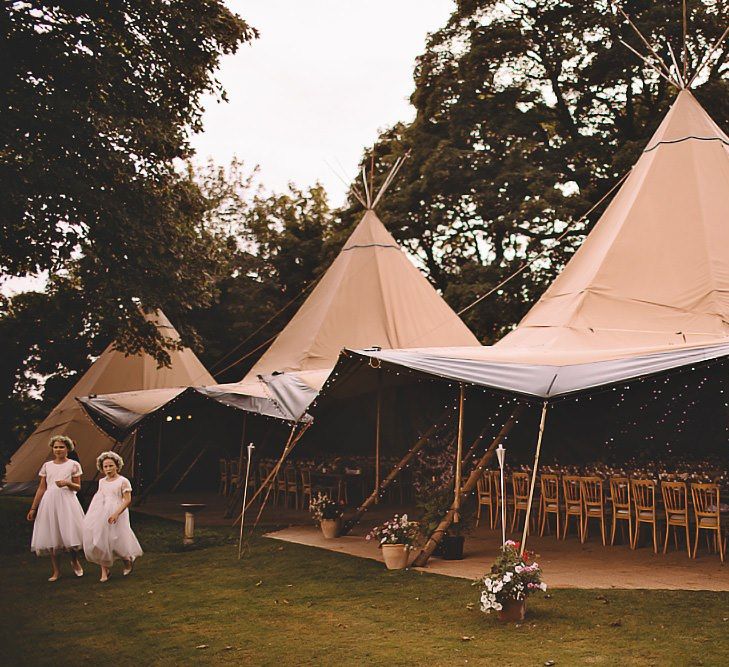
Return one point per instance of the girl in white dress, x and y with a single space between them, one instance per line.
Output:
56 512
107 532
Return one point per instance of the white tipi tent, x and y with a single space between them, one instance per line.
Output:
647 291
113 371
371 296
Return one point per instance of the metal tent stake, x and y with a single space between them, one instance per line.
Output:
251 447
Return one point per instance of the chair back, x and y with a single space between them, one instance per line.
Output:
675 498
706 500
644 495
483 485
520 485
290 475
620 493
591 491
223 465
572 491
306 479
496 483
234 467
550 489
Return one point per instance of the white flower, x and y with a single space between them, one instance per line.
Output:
543 586
508 576
498 606
518 569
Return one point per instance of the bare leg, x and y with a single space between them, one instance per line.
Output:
104 574
76 565
55 573
127 567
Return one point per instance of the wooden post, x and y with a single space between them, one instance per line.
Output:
378 435
459 455
189 469
470 484
356 518
534 477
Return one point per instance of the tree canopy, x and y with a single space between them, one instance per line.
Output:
99 100
527 114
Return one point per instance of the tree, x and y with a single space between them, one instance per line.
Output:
99 102
277 246
527 114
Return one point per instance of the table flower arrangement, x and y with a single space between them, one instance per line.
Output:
327 513
513 577
396 538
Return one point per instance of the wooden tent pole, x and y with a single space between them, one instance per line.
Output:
470 484
189 469
459 455
378 434
357 516
534 477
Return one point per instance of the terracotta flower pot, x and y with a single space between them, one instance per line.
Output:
513 611
395 555
331 528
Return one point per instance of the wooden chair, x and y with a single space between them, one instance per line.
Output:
280 486
549 501
593 499
485 497
620 500
644 500
223 480
234 478
520 490
264 470
573 505
306 491
292 486
675 503
707 510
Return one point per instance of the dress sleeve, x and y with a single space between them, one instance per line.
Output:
42 471
126 485
77 470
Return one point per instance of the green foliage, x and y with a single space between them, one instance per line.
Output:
527 114
278 245
435 506
99 102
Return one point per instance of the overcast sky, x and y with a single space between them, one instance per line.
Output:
315 88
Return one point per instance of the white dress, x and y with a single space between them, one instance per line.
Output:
58 524
104 542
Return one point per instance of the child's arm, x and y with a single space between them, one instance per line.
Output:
42 486
74 484
126 501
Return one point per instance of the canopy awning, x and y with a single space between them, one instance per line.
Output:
541 374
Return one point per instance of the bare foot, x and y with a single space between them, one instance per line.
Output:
104 575
55 576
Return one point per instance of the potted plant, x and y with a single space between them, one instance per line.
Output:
512 578
328 514
396 538
434 508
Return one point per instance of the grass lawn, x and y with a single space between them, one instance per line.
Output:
294 605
